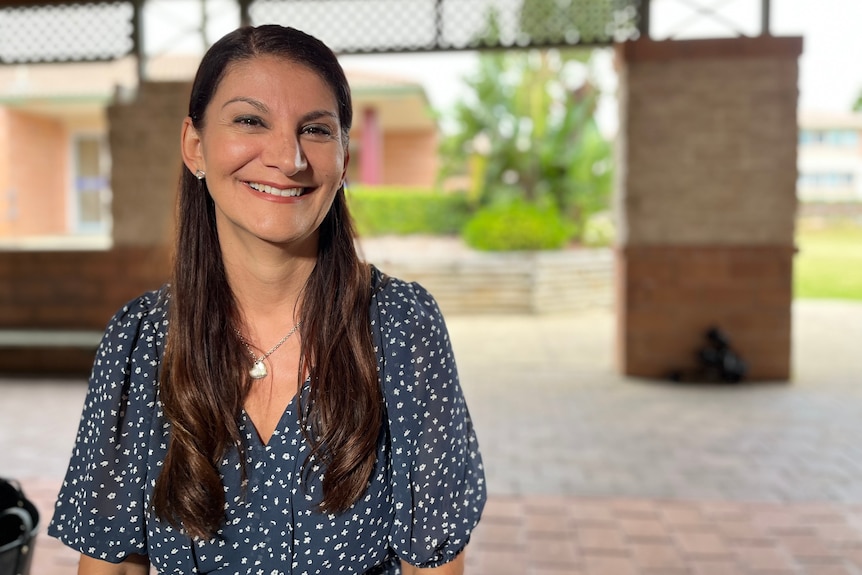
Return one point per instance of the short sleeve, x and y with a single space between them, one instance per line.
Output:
101 507
437 474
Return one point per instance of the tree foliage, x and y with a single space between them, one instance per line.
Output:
569 21
528 130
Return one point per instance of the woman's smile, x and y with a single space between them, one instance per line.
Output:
272 129
278 192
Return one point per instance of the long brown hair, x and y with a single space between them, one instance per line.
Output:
204 379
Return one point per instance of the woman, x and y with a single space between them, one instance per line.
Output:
280 407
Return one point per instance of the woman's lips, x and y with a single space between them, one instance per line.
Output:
273 191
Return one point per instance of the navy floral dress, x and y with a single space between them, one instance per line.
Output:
425 497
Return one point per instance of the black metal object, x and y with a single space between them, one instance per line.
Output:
244 12
644 19
138 37
19 522
717 362
765 17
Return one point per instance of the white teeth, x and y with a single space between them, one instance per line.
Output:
288 193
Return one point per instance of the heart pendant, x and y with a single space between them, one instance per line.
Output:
258 371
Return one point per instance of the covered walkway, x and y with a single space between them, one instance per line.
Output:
594 473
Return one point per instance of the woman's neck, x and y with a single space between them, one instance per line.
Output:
267 283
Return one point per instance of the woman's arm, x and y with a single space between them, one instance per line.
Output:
454 567
132 565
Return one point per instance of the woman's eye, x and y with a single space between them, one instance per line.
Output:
317 130
249 121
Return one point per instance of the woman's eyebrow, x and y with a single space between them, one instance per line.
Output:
260 106
317 114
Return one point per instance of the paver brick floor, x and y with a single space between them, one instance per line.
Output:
566 535
554 534
592 473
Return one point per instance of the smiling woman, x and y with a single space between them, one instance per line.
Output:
272 150
280 406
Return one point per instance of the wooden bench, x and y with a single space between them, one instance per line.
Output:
47 351
25 338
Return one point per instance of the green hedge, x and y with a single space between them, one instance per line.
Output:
402 211
516 225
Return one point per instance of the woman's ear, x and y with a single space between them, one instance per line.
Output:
191 147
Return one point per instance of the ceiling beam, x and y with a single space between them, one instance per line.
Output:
765 18
34 3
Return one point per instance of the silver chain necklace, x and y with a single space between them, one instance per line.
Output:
258 368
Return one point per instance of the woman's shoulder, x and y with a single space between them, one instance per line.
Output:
151 304
399 299
410 330
150 307
145 316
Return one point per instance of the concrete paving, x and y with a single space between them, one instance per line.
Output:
593 473
555 418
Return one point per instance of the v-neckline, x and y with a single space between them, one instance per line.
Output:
280 426
277 430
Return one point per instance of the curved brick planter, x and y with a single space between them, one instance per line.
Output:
465 281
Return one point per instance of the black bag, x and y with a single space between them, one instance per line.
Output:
19 522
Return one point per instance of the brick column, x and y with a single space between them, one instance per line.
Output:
144 136
706 201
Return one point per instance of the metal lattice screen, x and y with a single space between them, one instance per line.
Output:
679 19
357 26
70 32
82 31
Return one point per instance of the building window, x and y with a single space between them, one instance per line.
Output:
91 188
836 138
826 180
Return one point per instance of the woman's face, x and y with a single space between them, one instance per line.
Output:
272 149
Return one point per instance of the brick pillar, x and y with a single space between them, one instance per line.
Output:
706 201
146 164
144 136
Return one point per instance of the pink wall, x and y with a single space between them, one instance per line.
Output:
4 172
411 158
36 182
408 158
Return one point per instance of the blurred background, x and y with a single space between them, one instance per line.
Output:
72 97
625 208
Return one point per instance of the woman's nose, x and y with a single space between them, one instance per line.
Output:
285 153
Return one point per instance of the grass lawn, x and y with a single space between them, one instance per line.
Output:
829 262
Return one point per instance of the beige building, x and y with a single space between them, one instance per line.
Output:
55 161
54 165
830 157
